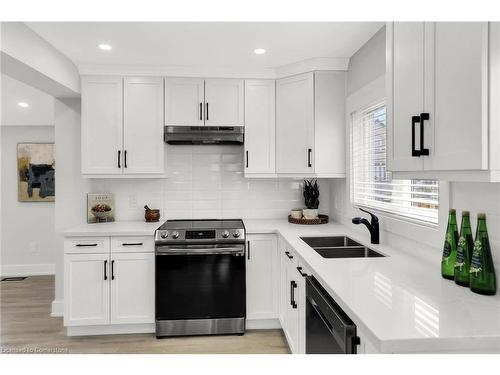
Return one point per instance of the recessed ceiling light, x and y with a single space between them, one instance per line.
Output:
259 51
23 104
105 47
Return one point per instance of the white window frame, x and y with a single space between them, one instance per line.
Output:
396 225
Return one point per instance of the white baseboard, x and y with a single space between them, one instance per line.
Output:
11 270
263 324
110 329
57 309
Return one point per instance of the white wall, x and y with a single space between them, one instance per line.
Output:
28 240
207 182
365 69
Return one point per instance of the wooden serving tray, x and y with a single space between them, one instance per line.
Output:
323 219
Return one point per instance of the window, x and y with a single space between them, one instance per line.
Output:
372 185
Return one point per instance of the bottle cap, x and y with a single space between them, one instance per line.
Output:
465 213
481 216
452 211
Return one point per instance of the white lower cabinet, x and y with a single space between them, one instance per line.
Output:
132 294
86 289
107 288
262 281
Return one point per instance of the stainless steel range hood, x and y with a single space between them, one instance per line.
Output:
203 135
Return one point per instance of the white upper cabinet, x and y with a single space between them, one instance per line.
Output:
122 126
224 102
199 102
441 106
184 101
295 124
143 147
102 125
310 124
260 127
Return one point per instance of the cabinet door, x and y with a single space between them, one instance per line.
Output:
143 147
456 96
132 288
260 126
184 101
283 302
295 124
293 323
262 269
86 289
224 102
102 125
405 88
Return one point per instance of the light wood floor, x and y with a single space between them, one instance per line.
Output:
27 326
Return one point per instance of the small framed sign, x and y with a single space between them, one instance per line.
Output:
100 208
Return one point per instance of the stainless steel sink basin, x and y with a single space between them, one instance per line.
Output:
340 247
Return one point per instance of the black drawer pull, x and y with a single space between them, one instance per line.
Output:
414 121
293 285
86 245
206 114
309 152
247 157
125 157
302 273
201 111
423 117
248 250
132 244
119 158
112 270
288 255
105 270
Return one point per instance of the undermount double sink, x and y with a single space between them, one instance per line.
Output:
339 247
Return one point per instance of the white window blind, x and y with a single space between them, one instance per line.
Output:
372 185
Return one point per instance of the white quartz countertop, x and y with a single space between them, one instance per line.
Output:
117 228
400 301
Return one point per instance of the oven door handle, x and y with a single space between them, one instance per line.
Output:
201 251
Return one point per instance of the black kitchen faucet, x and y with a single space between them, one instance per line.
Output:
372 227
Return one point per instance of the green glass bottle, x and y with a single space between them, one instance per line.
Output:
464 251
482 272
450 247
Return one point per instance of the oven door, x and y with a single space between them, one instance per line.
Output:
200 282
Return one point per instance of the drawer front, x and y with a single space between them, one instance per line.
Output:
132 244
86 245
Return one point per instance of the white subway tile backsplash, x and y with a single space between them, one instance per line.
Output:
208 182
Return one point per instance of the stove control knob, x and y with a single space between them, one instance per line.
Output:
175 235
225 234
236 234
164 235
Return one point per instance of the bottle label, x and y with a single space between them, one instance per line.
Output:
475 265
447 246
460 262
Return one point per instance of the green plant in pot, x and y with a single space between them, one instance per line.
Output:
311 199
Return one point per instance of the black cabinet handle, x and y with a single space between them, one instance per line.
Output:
301 273
288 255
309 151
414 121
105 270
248 250
247 158
423 117
206 114
125 158
112 270
132 244
86 244
201 111
119 158
293 285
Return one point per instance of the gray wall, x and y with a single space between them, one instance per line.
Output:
368 63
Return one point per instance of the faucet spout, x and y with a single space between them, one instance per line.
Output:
372 226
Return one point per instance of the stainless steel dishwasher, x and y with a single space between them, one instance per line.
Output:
328 328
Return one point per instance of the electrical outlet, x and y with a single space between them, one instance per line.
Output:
132 201
33 247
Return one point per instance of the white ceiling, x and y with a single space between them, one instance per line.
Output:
207 44
41 105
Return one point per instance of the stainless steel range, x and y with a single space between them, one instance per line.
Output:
200 277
